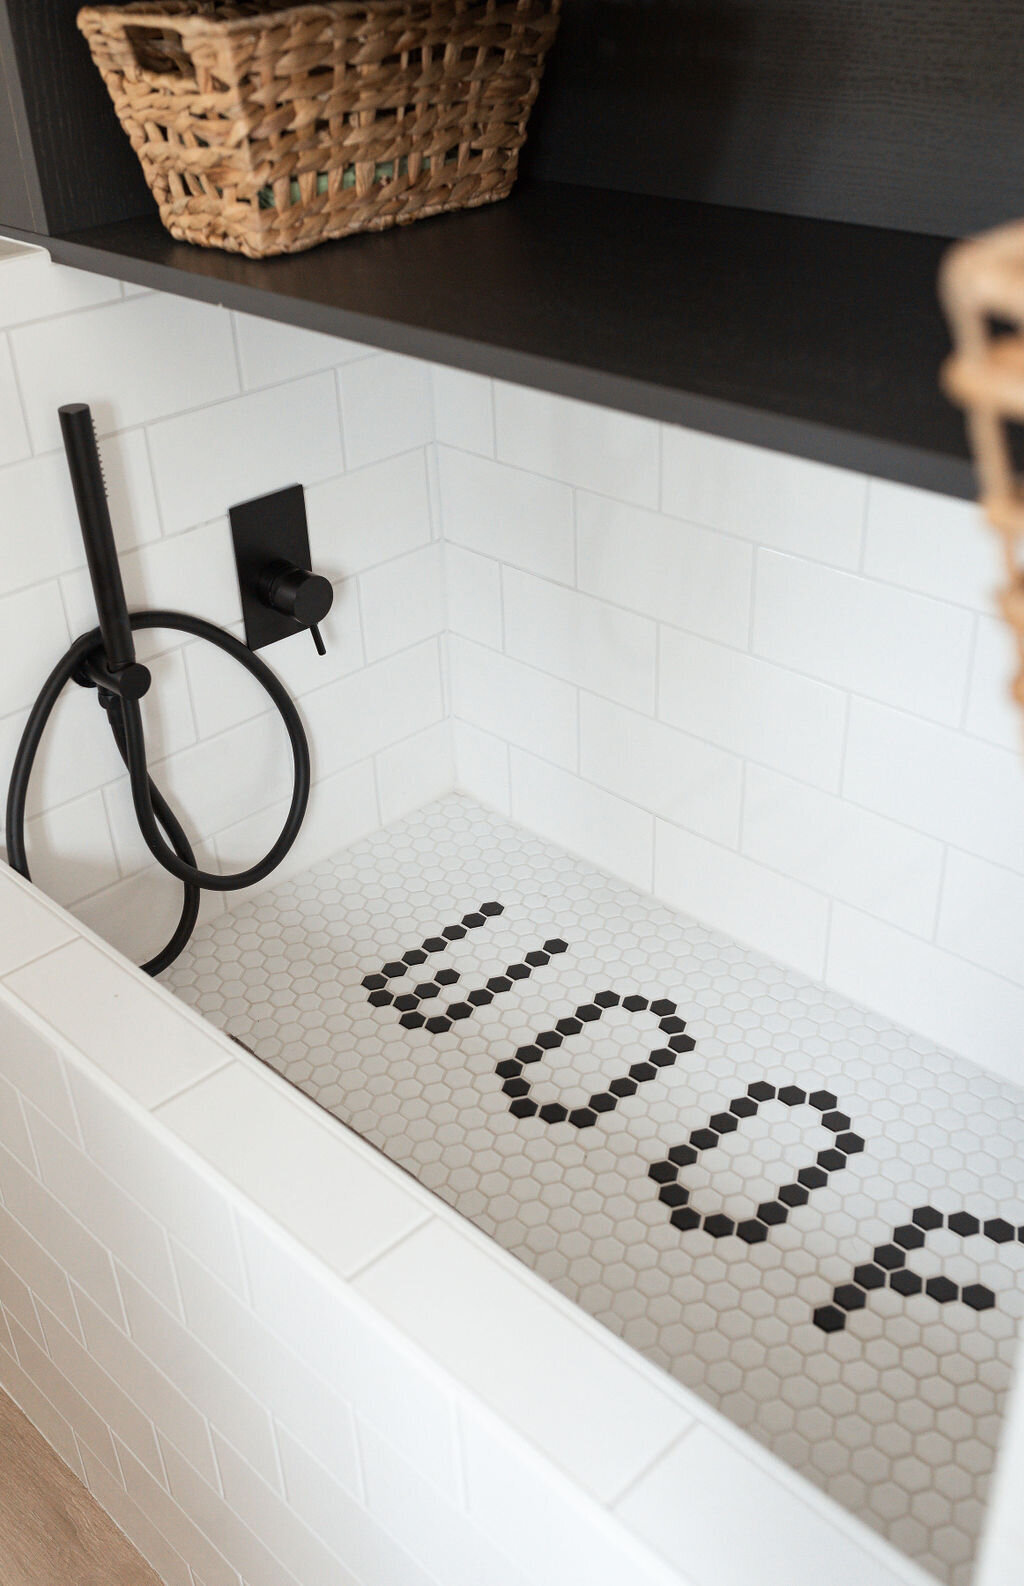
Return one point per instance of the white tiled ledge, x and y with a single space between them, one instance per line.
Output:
276 1358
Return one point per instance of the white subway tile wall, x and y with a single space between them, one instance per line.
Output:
260 1409
197 409
643 625
797 671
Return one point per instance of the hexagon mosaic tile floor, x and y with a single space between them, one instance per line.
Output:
808 1216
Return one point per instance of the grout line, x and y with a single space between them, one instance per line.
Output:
151 470
233 327
8 342
389 1249
651 1465
940 897
972 655
156 1108
339 410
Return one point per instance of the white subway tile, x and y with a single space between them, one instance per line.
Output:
463 409
36 631
110 1014
953 787
992 712
174 1523
298 1165
472 587
440 1536
207 461
33 287
508 514
329 1512
113 1216
897 647
49 1381
552 1531
552 1380
519 704
730 893
142 1160
402 603
77 752
416 771
614 453
369 516
780 1541
16 1302
225 1402
70 853
346 1346
294 1540
582 818
126 359
31 1063
138 915
758 710
691 577
39 531
842 850
930 543
580 639
386 407
223 694
964 1008
981 914
270 352
342 808
193 572
794 505
374 708
481 766
167 1406
14 441
110 1401
293 1394
662 770
38 1272
211 785
19 1385
64 1240
14 1135
219 1519
29 929
169 1565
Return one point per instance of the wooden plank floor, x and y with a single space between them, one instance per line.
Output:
52 1532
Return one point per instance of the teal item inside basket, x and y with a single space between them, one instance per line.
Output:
384 171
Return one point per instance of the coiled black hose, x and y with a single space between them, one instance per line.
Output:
151 808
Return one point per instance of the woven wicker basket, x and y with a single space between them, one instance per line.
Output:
267 127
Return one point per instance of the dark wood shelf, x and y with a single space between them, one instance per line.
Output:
813 337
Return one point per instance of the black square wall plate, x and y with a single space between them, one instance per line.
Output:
266 530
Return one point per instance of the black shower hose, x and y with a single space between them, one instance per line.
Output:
151 808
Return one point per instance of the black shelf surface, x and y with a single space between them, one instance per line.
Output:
812 337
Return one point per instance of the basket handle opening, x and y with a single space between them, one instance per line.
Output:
160 52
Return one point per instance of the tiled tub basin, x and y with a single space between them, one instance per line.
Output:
282 1356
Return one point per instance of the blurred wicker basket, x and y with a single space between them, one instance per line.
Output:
266 127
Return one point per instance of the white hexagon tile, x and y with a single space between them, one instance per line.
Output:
808 1216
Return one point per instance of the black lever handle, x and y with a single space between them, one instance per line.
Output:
296 592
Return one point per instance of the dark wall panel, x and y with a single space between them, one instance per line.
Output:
20 204
899 113
88 173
